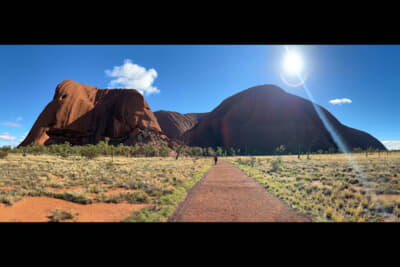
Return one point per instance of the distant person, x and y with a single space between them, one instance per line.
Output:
215 160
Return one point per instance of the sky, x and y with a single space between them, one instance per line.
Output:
358 84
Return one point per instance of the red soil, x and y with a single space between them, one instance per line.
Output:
6 188
39 209
388 197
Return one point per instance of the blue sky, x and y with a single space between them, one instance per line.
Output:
197 78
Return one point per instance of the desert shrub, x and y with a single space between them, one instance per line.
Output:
137 197
210 151
76 197
115 198
109 164
61 215
5 148
275 164
89 151
63 154
143 215
252 161
9 199
153 191
3 154
164 151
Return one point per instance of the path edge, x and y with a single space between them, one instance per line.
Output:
180 207
305 215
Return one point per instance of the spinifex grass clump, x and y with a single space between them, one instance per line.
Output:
329 188
164 205
158 183
275 164
62 215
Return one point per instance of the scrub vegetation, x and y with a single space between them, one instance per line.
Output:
160 182
328 187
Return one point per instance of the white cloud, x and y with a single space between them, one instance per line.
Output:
339 101
12 124
133 76
7 137
391 145
18 118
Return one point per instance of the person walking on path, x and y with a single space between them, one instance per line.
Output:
215 160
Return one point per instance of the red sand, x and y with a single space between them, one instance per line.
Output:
39 209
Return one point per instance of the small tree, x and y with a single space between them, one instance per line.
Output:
219 151
369 150
210 151
280 149
5 148
275 164
89 151
232 152
164 150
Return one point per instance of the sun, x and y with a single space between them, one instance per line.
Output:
292 63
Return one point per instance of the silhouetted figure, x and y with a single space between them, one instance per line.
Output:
215 160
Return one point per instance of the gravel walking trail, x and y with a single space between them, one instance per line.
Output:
226 194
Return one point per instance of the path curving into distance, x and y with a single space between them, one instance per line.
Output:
226 194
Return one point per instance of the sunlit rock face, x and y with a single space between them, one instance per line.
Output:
261 118
82 114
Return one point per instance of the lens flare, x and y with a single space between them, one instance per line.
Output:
294 84
334 134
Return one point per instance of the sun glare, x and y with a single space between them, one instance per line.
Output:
292 63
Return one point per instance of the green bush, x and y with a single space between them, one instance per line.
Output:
63 154
61 215
252 161
3 154
89 151
275 164
137 197
5 148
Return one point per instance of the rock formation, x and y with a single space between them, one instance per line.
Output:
261 118
82 114
175 124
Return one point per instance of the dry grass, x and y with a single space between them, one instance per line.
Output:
83 181
329 187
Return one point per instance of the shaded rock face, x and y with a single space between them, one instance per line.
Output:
82 114
175 124
261 118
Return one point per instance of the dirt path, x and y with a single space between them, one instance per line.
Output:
226 194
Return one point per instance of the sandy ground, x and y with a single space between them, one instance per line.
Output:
226 194
39 209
